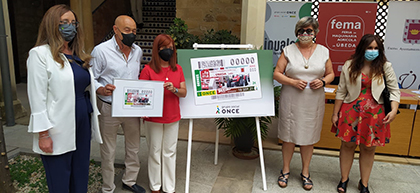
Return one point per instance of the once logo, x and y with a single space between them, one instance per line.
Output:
230 111
343 32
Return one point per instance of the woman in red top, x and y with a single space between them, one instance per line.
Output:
162 132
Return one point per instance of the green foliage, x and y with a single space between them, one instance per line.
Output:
277 91
179 33
184 40
219 37
23 169
234 127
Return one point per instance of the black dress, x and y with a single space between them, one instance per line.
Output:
81 157
69 172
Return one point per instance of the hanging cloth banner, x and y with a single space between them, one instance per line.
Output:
341 26
402 42
280 21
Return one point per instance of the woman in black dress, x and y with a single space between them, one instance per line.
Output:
63 119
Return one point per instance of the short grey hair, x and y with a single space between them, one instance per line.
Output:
306 22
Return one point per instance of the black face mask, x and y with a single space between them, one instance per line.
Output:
128 39
166 54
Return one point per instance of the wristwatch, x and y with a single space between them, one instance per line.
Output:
176 90
323 82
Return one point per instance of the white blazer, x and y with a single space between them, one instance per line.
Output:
52 101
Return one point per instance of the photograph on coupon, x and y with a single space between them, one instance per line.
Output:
225 78
138 98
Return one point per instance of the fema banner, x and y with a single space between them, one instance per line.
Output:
341 26
280 21
402 42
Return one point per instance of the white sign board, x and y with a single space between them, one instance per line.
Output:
227 83
280 21
137 98
402 42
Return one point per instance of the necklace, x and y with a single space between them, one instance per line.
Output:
166 75
306 66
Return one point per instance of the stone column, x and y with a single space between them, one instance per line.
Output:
83 10
252 22
19 111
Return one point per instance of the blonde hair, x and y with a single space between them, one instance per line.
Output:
48 33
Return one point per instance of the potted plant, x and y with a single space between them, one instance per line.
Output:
243 131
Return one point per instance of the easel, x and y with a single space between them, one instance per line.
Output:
216 152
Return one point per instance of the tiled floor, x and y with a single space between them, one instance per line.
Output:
231 175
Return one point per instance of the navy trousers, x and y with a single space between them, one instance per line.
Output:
69 172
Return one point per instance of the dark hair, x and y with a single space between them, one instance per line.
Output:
358 58
161 41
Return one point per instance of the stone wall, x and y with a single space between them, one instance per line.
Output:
104 16
25 17
96 3
203 15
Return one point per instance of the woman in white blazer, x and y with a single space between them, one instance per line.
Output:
359 117
63 119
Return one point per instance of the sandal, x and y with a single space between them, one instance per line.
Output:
306 181
282 178
343 186
362 188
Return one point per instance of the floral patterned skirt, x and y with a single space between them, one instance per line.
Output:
361 121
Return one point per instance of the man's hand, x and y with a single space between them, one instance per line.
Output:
106 91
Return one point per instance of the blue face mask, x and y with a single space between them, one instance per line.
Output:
370 55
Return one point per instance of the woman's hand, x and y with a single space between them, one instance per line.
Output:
334 119
315 84
300 84
390 117
169 86
46 144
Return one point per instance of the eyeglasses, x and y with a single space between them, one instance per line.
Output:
308 31
74 23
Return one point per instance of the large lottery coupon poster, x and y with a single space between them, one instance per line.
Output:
227 83
226 78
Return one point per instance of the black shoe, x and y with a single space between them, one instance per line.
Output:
362 188
343 185
306 181
134 188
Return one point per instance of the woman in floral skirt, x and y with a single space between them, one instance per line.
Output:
359 117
